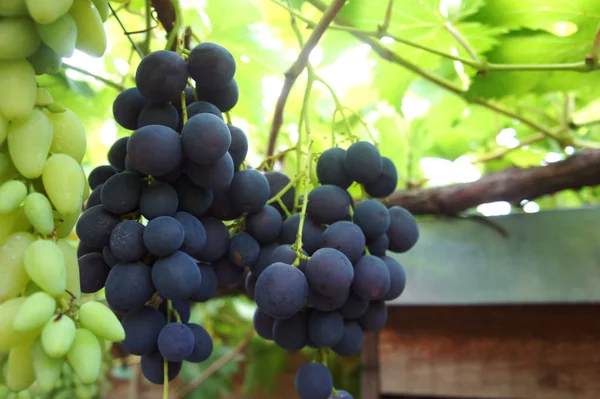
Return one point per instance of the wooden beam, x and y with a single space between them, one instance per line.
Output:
369 381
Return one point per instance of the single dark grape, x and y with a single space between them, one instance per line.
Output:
354 307
263 324
161 76
101 174
397 278
158 199
127 107
129 286
108 257
93 272
327 303
95 225
221 207
239 146
387 181
153 368
176 342
215 176
372 217
159 114
193 199
205 138
217 240
95 197
84 249
330 168
312 235
291 334
203 344
329 272
126 241
250 284
371 278
117 152
194 236
208 284
341 395
172 176
224 98
228 273
243 249
325 329
264 260
141 330
155 150
265 225
212 66
375 317
181 306
403 231
203 107
249 191
281 290
277 182
163 236
177 276
328 204
347 238
379 246
363 162
313 381
286 254
121 193
352 340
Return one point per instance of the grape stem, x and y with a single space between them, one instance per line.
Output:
174 34
298 243
184 107
126 33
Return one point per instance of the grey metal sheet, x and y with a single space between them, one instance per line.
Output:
548 257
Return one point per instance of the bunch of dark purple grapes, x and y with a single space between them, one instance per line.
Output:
332 289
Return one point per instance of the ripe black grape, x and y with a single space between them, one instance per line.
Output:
117 152
153 368
347 238
277 181
181 306
129 286
372 278
193 199
95 225
372 217
172 176
214 176
224 98
127 107
291 334
250 284
352 340
176 276
203 107
84 249
327 303
354 307
108 257
341 394
228 273
95 197
154 150
265 225
208 284
163 236
403 231
141 330
363 162
263 324
101 174
375 317
264 260
194 236
161 76
203 344
325 329
312 236
93 272
386 182
249 191
121 193
243 249
239 146
221 206
329 272
281 290
397 278
285 254
217 240
379 245
159 114
330 168
212 66
175 342
313 381
205 138
158 199
126 241
328 204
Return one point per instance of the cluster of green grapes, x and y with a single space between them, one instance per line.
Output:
51 339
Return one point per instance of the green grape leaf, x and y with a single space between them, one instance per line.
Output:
297 4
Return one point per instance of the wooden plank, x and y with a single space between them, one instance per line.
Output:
369 361
547 257
511 352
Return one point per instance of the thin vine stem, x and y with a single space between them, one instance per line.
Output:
173 36
298 243
101 79
463 42
125 32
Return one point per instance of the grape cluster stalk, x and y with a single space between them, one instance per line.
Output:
49 333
